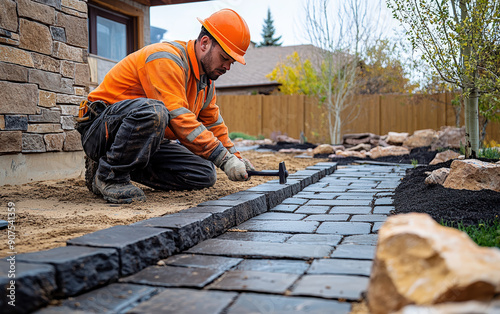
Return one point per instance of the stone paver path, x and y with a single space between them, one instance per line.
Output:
312 253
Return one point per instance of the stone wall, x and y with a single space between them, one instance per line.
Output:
44 74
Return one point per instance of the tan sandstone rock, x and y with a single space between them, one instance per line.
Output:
444 156
323 149
421 138
421 262
395 138
437 176
454 308
350 154
472 174
378 151
449 137
360 147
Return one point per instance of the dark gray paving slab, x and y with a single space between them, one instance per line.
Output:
257 281
224 217
388 185
34 285
172 276
326 239
331 217
345 228
189 228
383 209
274 266
294 201
376 226
331 286
364 184
203 261
354 251
278 216
350 210
288 208
114 298
322 196
305 209
251 303
369 218
274 193
137 247
260 249
255 236
78 268
280 226
340 267
384 201
363 239
340 202
186 301
246 204
356 196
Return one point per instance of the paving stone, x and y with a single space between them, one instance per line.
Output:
383 209
294 201
33 286
339 217
202 261
369 218
331 286
327 239
256 236
315 175
345 228
274 266
275 193
78 268
376 226
189 228
340 267
278 216
251 303
258 249
340 202
306 209
172 276
350 210
384 201
364 184
322 196
114 298
280 226
354 251
223 217
356 196
284 208
258 281
186 301
363 239
388 185
328 189
246 205
137 247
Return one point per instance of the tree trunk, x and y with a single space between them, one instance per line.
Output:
472 125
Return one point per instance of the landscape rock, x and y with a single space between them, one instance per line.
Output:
454 307
449 137
421 138
323 149
395 138
444 156
378 151
350 154
473 174
360 147
421 262
360 138
437 176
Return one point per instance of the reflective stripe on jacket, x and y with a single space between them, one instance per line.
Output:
169 72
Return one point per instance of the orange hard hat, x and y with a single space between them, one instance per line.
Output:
231 32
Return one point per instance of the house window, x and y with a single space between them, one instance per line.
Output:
111 34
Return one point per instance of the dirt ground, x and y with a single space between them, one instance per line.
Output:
49 213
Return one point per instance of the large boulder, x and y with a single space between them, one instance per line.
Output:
347 153
449 137
418 261
323 149
421 138
395 138
437 176
379 151
444 156
473 174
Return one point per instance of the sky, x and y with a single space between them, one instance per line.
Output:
288 15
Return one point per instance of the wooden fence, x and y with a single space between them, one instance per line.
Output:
379 114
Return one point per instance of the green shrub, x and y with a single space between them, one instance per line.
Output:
244 136
490 153
486 233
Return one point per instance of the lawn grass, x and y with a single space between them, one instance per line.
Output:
483 234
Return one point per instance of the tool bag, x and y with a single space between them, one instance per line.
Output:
87 114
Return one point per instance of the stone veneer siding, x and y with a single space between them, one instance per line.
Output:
44 74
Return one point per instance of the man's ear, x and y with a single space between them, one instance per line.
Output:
205 43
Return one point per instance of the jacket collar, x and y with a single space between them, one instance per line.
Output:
203 80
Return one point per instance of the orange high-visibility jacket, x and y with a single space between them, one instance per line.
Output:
169 72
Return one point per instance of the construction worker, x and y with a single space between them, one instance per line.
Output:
154 120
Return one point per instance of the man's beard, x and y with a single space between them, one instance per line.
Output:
206 63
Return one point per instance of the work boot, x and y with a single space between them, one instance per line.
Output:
119 193
90 171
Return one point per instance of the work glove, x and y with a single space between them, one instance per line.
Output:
234 168
248 164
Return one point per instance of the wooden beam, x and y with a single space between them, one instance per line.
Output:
165 2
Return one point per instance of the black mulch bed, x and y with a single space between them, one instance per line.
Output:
423 155
469 207
286 145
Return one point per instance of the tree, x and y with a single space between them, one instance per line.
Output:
295 76
268 32
456 37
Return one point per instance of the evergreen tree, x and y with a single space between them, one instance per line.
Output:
268 32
